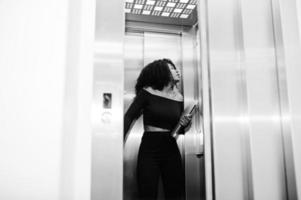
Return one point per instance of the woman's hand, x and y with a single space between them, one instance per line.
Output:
185 120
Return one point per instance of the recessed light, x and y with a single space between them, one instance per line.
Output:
129 1
150 2
127 10
146 12
184 1
189 6
170 4
178 10
184 16
138 6
165 14
158 8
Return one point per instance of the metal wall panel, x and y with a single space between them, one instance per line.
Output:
133 64
205 93
107 105
250 87
263 107
298 2
288 64
153 48
227 100
194 161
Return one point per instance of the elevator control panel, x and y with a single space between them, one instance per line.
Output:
107 100
106 115
107 109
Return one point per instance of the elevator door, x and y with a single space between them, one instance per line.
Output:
140 49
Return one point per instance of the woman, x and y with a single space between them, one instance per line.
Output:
160 102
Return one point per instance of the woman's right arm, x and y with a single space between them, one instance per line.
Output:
134 111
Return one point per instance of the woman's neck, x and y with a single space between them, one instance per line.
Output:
168 88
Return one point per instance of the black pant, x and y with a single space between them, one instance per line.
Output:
159 155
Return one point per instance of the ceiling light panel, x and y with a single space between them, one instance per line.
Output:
177 10
184 16
150 2
168 9
187 11
148 7
138 6
161 3
165 14
136 11
129 5
158 8
146 12
170 4
165 8
156 13
190 6
175 15
181 5
140 1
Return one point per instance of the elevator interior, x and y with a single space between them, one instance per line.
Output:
240 61
148 38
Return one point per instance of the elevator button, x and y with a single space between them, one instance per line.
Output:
106 118
107 100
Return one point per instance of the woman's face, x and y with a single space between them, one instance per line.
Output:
175 73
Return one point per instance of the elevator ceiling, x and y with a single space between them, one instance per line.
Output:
176 12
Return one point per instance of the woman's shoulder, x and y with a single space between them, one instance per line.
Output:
175 95
178 94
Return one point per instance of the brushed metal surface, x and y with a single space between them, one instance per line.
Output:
193 143
287 41
225 100
107 123
133 63
205 93
243 94
263 101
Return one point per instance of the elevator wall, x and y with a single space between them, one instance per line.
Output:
250 111
107 118
141 49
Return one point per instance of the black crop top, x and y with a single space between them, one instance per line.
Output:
157 111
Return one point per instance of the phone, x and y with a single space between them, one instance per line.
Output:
178 127
192 109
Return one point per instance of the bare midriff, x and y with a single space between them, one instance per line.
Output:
149 128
